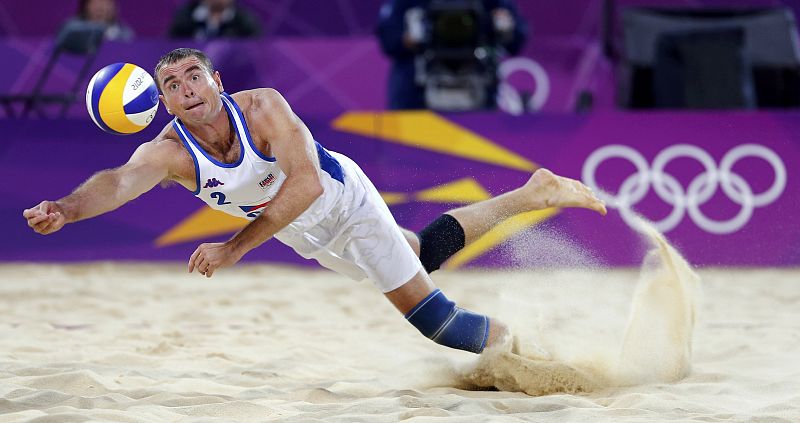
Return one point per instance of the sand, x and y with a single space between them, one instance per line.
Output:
149 343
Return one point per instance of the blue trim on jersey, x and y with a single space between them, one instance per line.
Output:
179 131
246 129
97 90
329 163
211 159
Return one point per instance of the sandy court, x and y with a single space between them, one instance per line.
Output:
150 343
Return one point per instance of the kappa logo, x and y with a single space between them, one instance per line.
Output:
213 183
266 182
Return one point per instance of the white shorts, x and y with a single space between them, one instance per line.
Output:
359 237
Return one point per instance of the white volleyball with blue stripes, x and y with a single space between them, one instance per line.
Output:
122 98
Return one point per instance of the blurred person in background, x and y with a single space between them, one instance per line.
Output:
209 19
100 12
445 52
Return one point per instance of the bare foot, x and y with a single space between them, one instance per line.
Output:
547 189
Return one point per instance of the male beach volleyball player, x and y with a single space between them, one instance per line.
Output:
249 155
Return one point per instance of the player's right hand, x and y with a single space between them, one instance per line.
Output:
45 218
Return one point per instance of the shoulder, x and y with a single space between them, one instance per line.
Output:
264 107
166 148
167 140
166 152
259 99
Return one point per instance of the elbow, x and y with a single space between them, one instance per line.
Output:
315 189
303 190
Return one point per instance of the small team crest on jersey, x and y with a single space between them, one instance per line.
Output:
266 182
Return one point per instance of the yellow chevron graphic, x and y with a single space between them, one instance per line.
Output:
203 223
427 130
465 190
392 198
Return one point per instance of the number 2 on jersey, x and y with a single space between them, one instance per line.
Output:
220 198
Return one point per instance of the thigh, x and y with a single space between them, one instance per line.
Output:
377 245
373 239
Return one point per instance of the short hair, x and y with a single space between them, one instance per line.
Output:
179 54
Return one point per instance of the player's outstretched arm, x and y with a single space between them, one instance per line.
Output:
292 145
105 190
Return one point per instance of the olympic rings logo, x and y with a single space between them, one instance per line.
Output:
634 188
509 99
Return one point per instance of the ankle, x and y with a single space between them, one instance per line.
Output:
529 197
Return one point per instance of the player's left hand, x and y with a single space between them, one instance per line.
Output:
209 257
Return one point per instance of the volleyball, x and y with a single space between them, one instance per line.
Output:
122 98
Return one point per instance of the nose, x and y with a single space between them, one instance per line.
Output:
188 92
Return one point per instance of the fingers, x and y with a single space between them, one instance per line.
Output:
202 264
54 224
36 220
44 218
205 267
199 261
205 259
29 213
193 258
47 226
46 223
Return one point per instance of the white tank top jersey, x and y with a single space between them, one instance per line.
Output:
348 229
244 188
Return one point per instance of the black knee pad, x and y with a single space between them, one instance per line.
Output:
439 241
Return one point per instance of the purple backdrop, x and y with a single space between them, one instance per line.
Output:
325 77
41 160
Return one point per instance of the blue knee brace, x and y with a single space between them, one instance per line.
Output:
440 320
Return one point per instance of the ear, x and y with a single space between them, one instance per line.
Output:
218 81
161 97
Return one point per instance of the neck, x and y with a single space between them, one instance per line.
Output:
216 134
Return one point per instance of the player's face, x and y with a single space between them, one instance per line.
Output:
190 92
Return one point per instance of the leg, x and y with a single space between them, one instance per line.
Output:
543 190
414 293
379 251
